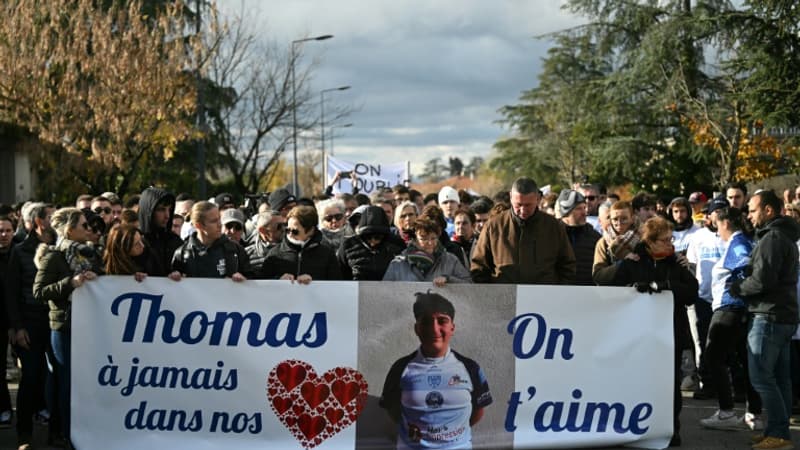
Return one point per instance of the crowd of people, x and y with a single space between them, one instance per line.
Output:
731 263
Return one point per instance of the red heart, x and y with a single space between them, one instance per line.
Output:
311 426
281 404
334 415
290 375
344 392
315 419
314 393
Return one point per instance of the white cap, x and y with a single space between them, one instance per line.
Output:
448 194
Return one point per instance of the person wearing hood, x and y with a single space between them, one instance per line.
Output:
679 213
770 293
208 253
367 255
572 208
657 269
426 259
523 245
301 256
156 207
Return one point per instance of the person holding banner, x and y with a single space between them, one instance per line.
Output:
426 259
62 269
657 269
301 256
124 244
367 255
207 253
435 394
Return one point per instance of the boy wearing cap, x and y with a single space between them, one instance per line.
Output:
435 394
233 224
573 208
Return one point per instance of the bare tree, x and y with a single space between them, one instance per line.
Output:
253 126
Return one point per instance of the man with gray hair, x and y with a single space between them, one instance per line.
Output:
523 245
269 233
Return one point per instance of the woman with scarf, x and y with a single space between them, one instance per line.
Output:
619 239
404 216
426 259
657 269
62 268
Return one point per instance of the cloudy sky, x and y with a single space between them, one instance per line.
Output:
427 76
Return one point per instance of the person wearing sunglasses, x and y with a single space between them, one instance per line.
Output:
63 268
269 233
333 223
367 255
102 207
426 259
233 224
591 193
301 256
208 253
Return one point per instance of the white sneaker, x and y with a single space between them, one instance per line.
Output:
753 422
723 420
689 383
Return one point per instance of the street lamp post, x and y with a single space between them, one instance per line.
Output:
322 127
295 187
347 125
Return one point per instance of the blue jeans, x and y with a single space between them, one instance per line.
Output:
769 359
61 367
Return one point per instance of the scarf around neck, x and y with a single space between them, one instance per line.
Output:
421 259
80 257
626 243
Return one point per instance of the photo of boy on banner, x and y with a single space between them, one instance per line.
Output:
435 394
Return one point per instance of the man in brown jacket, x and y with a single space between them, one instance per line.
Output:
523 245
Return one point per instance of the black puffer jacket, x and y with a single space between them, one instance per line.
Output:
771 284
160 243
313 259
22 307
357 259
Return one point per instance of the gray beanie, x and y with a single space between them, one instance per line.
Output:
568 200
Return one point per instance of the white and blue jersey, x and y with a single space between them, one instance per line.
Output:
729 268
435 398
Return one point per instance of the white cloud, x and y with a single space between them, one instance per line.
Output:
428 77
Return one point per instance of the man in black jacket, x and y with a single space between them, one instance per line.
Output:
29 320
770 292
156 207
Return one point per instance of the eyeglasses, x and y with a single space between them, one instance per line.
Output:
667 240
332 217
293 231
234 226
591 198
408 215
373 237
86 226
279 226
105 210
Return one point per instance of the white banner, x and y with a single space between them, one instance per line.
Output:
208 364
369 176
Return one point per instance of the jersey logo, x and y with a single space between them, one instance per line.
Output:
434 380
221 267
456 380
434 399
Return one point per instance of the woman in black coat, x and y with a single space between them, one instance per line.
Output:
301 256
654 269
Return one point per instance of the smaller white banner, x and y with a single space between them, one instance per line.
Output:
370 176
